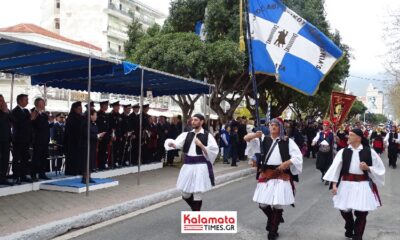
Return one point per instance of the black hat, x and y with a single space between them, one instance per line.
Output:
91 104
105 102
199 116
146 105
61 115
115 103
358 132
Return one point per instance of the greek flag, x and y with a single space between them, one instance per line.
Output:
287 46
200 30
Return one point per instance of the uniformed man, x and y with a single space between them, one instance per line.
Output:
116 129
91 108
135 124
127 134
103 125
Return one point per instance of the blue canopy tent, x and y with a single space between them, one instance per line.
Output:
86 70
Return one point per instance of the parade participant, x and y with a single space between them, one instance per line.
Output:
324 140
115 121
94 135
391 140
200 150
91 104
41 138
342 136
281 162
21 138
377 141
310 131
103 125
5 140
358 169
71 139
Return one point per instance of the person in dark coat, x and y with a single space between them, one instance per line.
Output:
135 124
234 142
162 132
41 138
103 124
324 140
94 135
126 127
173 133
5 140
71 139
58 139
21 139
115 123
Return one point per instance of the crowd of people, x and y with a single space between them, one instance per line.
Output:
33 135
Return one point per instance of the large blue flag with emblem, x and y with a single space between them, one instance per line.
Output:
287 46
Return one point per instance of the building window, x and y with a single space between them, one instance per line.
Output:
109 44
58 4
119 48
57 23
137 8
120 6
110 1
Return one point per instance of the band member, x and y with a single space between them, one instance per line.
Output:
5 140
103 125
358 169
21 138
392 139
281 162
116 129
134 121
71 139
200 150
126 128
378 141
41 138
162 132
324 140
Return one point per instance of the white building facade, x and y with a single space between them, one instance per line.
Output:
374 100
103 23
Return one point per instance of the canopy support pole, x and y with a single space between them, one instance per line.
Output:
140 127
88 126
45 94
12 91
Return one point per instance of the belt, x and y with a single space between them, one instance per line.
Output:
201 160
354 177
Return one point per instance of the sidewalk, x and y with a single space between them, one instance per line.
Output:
27 210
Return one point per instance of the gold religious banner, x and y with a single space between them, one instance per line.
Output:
340 107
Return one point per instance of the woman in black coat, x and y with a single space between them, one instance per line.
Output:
94 135
71 140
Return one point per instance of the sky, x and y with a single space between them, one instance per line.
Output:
361 24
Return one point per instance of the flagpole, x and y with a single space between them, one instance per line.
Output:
252 74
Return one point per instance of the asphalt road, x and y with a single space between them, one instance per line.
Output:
313 217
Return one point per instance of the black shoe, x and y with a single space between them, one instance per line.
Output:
234 165
349 234
44 177
26 179
272 236
326 183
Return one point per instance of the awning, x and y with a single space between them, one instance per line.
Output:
62 67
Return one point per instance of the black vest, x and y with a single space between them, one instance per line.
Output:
391 143
203 137
365 156
283 146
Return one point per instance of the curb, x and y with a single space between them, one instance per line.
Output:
57 228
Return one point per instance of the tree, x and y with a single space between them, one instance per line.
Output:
135 34
375 118
358 108
178 53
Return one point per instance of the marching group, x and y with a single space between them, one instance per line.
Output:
349 160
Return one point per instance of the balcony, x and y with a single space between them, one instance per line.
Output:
115 32
115 11
115 54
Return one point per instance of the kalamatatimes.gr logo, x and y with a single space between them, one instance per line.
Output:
209 222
